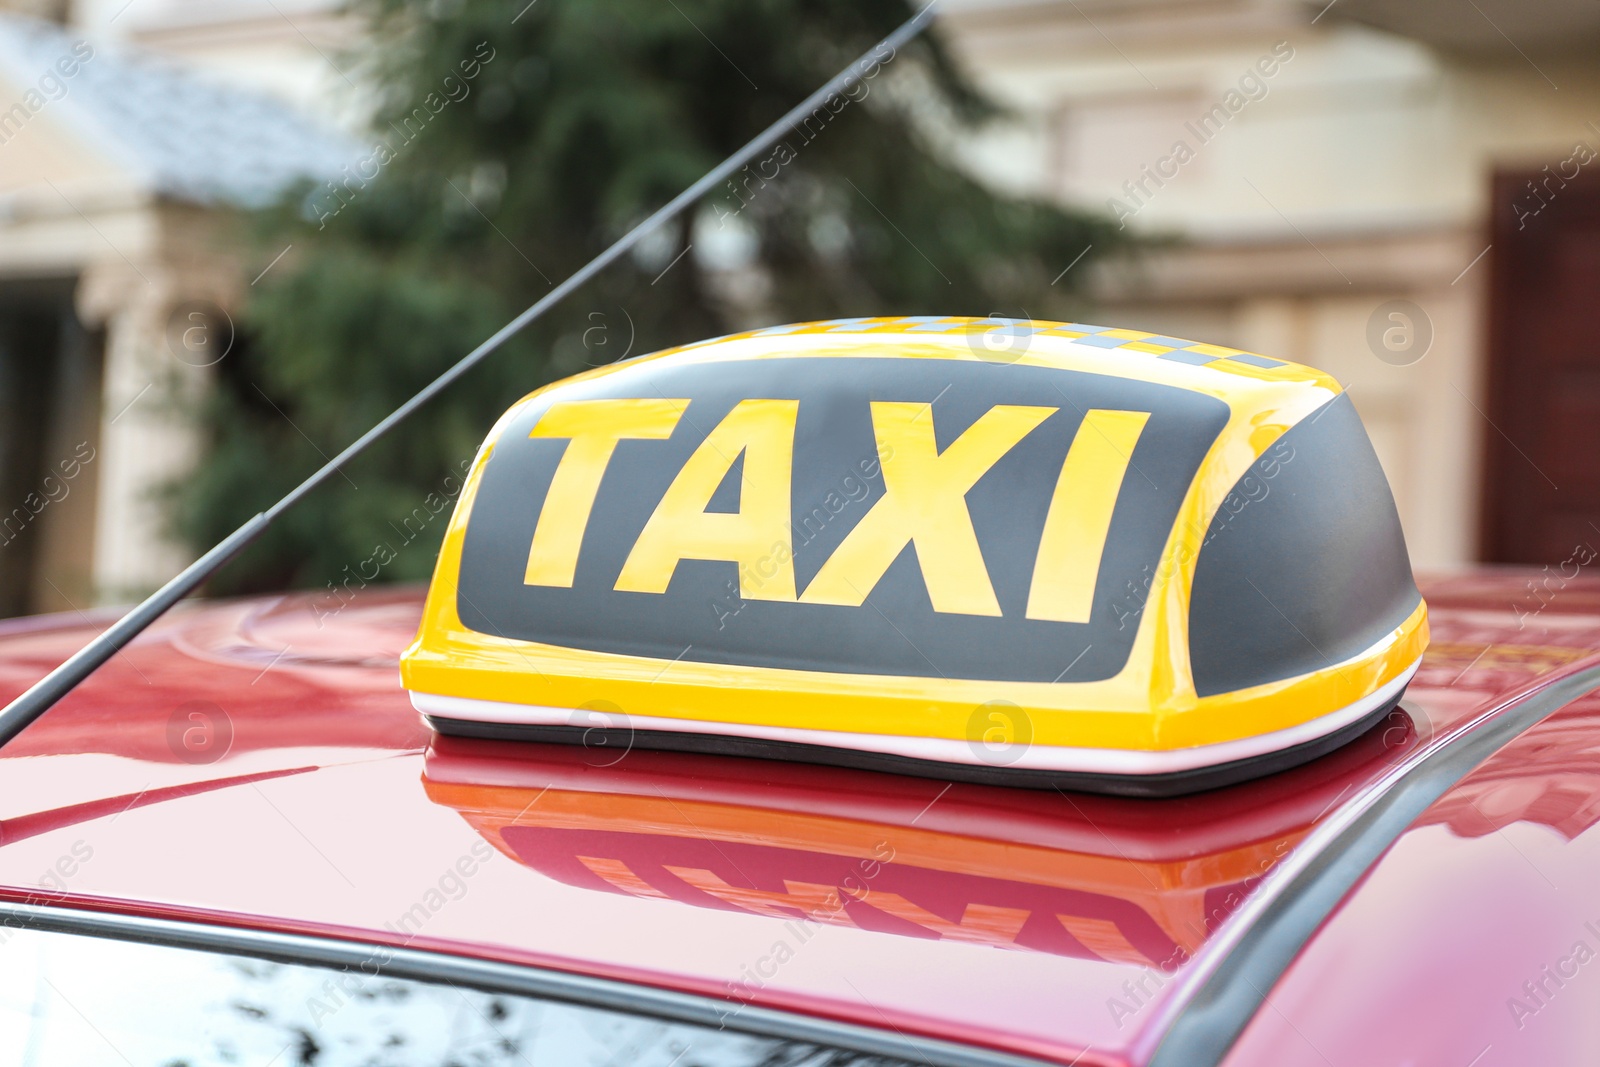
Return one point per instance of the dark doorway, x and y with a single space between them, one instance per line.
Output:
49 418
1542 460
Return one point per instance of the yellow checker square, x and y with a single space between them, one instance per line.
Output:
1211 350
869 544
1247 370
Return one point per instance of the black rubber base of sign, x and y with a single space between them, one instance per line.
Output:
1175 783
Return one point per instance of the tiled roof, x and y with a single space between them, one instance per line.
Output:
179 134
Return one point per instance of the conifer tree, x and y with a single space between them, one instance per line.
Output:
512 141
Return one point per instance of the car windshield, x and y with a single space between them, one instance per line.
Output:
90 1001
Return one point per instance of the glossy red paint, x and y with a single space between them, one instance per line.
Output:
1476 938
1036 922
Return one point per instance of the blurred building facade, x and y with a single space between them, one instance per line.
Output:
1402 194
130 136
1397 193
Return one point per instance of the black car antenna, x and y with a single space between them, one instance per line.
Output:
43 694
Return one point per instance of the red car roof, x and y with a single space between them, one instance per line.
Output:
1488 901
1066 927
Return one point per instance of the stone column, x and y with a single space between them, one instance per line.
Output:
165 328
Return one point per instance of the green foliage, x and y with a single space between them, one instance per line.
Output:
514 141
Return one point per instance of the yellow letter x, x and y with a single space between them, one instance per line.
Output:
924 503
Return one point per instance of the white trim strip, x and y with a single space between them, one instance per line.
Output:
940 750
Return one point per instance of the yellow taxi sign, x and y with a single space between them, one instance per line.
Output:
1045 553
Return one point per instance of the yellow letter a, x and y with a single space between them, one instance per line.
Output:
681 528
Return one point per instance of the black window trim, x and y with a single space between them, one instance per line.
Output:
492 976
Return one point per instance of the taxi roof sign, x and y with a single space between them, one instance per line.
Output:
1031 552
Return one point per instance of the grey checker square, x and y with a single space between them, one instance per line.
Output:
1254 360
1100 341
1198 359
1171 342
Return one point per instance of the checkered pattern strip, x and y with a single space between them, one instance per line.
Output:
1160 346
